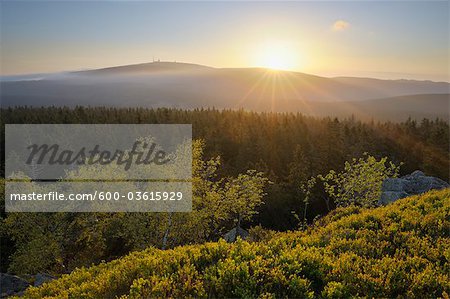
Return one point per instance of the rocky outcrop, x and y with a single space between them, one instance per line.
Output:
11 285
236 232
42 278
412 184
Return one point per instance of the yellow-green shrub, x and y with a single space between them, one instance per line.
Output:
400 250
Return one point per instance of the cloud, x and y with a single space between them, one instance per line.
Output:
340 25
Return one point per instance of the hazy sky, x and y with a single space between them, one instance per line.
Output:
379 39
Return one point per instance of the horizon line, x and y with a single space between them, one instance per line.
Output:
11 76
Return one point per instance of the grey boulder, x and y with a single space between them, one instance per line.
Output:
412 184
236 232
42 278
11 285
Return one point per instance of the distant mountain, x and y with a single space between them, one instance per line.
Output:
183 85
393 109
145 68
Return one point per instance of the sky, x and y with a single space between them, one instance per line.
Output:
402 39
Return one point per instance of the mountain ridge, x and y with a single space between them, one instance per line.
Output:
189 86
146 67
200 66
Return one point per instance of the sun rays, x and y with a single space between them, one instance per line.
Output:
278 86
285 91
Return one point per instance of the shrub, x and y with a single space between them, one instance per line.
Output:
385 252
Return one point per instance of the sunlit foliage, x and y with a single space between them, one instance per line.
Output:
288 147
400 250
59 242
360 182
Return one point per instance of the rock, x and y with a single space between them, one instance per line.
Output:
394 185
420 183
236 232
11 285
412 184
42 278
415 174
391 196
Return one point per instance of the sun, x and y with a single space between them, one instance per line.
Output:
277 56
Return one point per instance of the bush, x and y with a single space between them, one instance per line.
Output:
401 250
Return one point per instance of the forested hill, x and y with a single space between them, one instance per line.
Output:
400 250
288 147
190 86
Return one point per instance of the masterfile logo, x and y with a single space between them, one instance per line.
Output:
53 154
